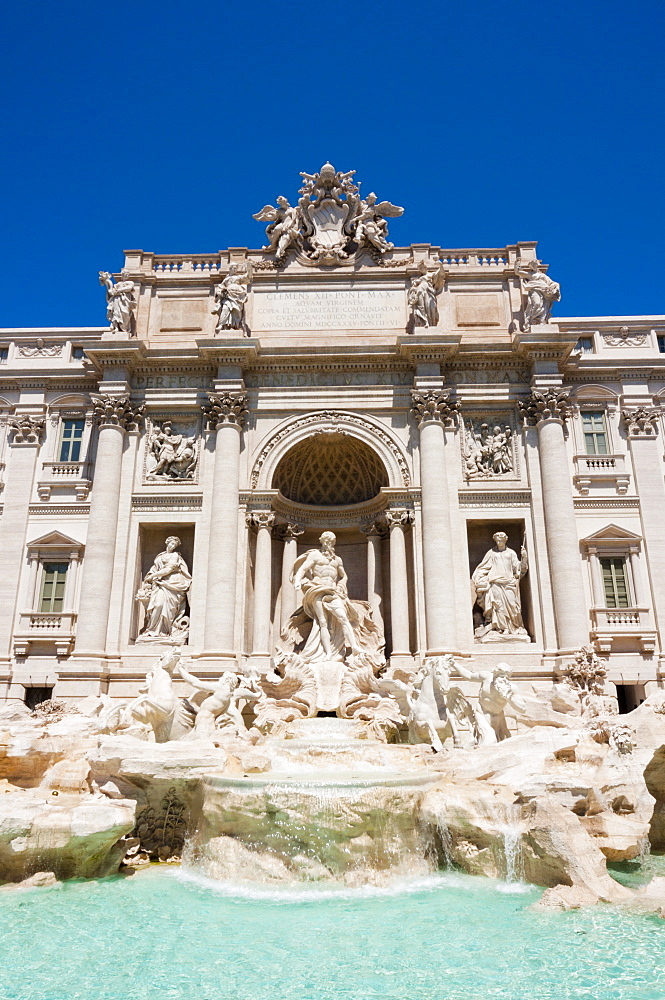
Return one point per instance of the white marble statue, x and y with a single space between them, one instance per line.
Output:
174 455
163 595
370 226
422 296
495 586
321 577
231 296
488 450
120 304
436 707
496 698
284 228
156 705
221 708
540 293
329 221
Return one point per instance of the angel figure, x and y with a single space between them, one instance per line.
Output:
284 228
120 303
231 296
370 225
422 294
540 291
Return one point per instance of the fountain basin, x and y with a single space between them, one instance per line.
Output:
351 826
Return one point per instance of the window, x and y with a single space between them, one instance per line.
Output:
595 432
4 354
661 344
584 345
77 354
53 587
615 582
70 442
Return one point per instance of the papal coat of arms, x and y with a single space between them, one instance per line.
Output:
331 222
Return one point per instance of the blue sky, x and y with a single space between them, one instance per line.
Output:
164 126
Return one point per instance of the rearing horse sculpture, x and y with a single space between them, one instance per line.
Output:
436 708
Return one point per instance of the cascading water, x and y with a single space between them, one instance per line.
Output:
353 828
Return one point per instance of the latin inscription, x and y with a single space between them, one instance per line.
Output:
340 309
286 379
171 381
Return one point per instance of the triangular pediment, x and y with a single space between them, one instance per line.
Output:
55 539
612 533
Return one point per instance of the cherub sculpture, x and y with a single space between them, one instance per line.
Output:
284 228
120 304
370 227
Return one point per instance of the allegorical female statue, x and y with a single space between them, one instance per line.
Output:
120 303
495 586
231 296
163 595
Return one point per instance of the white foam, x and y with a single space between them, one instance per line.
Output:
309 893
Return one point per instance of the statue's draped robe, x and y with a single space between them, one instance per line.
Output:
167 597
497 589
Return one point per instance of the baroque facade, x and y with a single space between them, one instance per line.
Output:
493 474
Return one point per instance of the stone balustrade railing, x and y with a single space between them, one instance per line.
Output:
175 262
599 470
52 628
609 624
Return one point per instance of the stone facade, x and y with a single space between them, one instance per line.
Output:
414 400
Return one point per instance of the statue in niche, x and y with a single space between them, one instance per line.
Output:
220 709
284 228
231 296
163 594
422 295
541 292
174 454
495 586
120 304
321 577
488 451
497 695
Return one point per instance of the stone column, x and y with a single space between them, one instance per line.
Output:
226 413
114 415
397 521
548 409
262 521
375 534
641 425
596 581
25 436
634 555
434 410
289 599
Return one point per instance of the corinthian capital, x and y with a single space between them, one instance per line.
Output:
260 519
118 411
433 404
226 408
27 429
641 421
546 404
401 517
289 530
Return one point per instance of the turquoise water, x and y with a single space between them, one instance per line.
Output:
166 933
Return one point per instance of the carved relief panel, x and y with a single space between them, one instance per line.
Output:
489 447
172 448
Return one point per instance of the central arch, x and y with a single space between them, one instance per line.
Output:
330 470
377 454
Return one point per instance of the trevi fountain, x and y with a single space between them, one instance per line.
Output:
332 610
